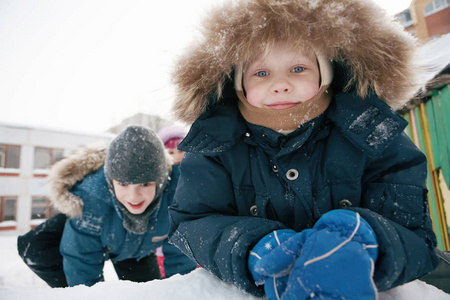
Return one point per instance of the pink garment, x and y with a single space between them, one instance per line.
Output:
173 143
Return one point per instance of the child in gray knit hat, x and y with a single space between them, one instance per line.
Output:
136 169
115 206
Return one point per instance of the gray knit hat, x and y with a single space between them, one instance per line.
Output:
136 156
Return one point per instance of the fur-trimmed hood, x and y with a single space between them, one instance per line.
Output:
69 171
374 50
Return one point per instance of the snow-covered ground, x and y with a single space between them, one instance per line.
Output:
18 282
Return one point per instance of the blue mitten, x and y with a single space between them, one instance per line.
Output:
336 262
273 286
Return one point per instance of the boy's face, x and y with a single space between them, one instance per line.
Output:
135 197
282 78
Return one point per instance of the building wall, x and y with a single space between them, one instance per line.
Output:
427 27
26 182
420 25
439 23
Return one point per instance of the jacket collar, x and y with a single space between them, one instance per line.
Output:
220 128
369 124
216 131
277 144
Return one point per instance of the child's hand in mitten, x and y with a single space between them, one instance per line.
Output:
336 262
269 243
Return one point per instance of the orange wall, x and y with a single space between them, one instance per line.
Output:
425 28
439 23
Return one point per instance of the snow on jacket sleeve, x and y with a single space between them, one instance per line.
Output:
396 206
82 256
205 225
81 247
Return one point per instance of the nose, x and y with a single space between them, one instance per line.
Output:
281 85
134 194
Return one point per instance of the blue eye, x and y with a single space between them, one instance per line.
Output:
262 73
298 69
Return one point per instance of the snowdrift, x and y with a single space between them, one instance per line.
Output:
199 284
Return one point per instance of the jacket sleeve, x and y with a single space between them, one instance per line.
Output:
395 205
82 253
205 224
175 262
81 246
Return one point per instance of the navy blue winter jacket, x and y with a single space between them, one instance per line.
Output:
98 235
241 181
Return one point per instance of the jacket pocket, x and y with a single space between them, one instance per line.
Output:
160 238
246 201
334 194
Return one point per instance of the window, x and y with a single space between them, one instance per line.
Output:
404 18
440 3
45 157
413 32
7 208
9 156
435 6
39 208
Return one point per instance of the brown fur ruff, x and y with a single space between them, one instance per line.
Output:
67 172
356 33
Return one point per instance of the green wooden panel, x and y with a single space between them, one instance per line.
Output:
444 133
438 110
431 195
433 117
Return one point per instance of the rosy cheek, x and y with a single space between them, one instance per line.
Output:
120 195
120 198
253 99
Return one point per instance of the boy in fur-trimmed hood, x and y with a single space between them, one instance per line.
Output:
115 202
298 180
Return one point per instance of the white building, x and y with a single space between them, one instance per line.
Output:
25 155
